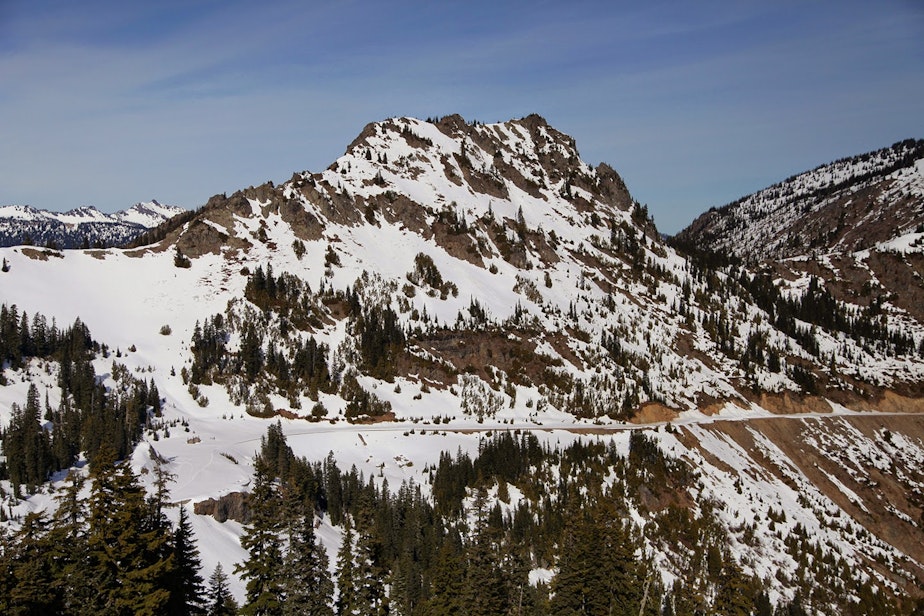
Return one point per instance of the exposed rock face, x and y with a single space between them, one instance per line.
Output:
231 506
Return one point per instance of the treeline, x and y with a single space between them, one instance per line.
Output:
112 551
910 150
160 232
40 439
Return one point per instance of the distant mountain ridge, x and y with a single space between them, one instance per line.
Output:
81 227
848 205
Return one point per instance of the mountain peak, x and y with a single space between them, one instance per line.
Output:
410 172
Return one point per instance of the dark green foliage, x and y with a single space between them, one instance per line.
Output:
347 601
158 233
306 581
286 295
263 568
448 579
89 414
219 598
369 569
360 402
186 592
453 218
381 340
129 546
272 354
26 445
113 554
818 307
298 247
465 554
29 572
280 579
599 572
208 350
425 273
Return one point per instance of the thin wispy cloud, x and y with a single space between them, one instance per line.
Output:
106 103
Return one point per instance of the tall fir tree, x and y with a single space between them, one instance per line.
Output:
308 587
33 589
186 586
263 568
485 590
69 534
369 571
597 571
220 600
347 600
129 548
448 579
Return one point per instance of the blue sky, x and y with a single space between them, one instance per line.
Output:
694 103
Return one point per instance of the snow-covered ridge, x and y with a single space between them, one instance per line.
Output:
80 226
146 214
847 205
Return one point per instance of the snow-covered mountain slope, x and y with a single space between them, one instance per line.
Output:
80 227
849 205
857 224
444 276
506 261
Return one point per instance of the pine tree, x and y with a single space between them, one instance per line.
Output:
735 595
485 590
347 600
598 573
262 569
69 550
220 600
369 571
128 548
32 570
186 583
26 445
307 584
448 580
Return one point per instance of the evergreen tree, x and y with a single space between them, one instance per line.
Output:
32 590
347 600
598 572
69 549
369 569
485 590
220 600
262 569
26 445
128 548
186 584
307 584
448 580
735 594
